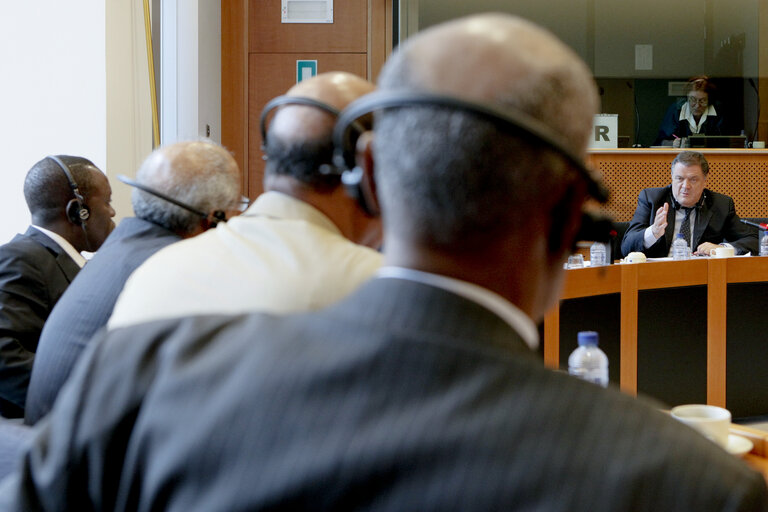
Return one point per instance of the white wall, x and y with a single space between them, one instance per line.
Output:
52 95
75 81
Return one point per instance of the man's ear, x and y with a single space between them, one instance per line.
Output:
359 182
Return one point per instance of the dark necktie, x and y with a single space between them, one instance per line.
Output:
685 227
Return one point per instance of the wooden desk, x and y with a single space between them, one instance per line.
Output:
713 276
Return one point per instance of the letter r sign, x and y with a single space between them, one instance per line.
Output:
605 133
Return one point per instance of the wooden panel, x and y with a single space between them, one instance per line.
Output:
589 281
347 34
234 82
628 362
271 75
732 171
380 40
671 274
747 270
552 338
716 317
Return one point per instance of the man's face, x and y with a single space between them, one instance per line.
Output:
688 182
100 224
698 101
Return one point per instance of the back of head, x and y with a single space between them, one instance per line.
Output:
47 189
448 178
199 173
299 142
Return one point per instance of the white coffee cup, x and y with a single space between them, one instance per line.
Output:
710 420
722 252
758 144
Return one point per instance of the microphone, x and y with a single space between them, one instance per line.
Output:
214 217
760 225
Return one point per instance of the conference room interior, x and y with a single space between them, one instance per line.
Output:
641 57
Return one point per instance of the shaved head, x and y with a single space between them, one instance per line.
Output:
299 137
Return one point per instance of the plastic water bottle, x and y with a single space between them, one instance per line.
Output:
588 362
764 244
598 255
680 249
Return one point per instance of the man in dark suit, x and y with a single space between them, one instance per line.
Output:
70 213
707 219
420 391
201 174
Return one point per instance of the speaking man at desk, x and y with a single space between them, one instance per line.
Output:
706 219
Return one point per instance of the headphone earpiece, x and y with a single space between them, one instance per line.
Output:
77 212
354 185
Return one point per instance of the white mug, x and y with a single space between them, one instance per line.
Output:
722 252
710 420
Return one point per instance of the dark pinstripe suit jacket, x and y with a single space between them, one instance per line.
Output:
34 272
86 307
403 397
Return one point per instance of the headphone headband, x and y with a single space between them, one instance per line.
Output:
70 178
506 118
290 100
217 216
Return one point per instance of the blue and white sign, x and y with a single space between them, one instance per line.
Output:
305 69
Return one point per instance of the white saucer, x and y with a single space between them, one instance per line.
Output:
738 445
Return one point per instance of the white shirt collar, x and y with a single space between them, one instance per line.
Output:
64 244
508 312
685 115
282 206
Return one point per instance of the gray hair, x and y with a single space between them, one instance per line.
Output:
200 173
447 177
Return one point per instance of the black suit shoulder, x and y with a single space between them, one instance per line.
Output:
34 272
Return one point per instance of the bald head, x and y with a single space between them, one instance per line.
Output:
299 137
447 176
200 173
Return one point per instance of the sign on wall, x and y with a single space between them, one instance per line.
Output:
305 69
307 11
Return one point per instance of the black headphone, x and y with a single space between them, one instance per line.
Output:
310 102
507 118
77 211
213 218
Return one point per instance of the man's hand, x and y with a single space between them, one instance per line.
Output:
660 221
706 248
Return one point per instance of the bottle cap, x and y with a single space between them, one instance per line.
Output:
588 338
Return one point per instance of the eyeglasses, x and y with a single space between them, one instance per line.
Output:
703 102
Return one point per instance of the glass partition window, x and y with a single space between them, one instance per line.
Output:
643 55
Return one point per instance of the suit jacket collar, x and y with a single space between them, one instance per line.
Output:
67 265
431 313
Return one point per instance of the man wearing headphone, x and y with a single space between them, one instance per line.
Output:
203 177
706 219
298 247
69 200
422 390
